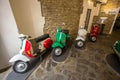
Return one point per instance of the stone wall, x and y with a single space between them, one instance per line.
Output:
104 12
61 13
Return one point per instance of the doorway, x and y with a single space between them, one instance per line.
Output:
116 20
87 18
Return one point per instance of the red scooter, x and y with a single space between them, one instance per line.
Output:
94 32
31 49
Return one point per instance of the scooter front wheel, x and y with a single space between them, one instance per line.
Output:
21 66
57 51
79 43
93 38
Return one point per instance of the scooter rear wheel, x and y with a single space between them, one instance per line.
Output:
21 66
57 51
79 43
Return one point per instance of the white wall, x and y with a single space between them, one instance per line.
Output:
95 12
9 42
28 16
29 20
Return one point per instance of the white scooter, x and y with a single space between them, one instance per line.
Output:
81 38
30 50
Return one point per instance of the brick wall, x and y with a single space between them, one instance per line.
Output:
57 12
111 4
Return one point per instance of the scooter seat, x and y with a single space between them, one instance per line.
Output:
41 38
65 31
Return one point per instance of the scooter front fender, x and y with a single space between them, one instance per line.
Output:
19 57
57 44
80 38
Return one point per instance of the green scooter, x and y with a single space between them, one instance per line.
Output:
62 38
116 48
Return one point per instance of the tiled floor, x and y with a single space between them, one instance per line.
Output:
3 75
86 64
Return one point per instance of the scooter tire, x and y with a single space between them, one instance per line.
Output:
93 38
77 42
17 62
54 52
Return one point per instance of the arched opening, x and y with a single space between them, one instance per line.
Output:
117 22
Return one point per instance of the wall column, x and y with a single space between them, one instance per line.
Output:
9 42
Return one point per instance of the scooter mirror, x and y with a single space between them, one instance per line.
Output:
29 36
81 27
22 36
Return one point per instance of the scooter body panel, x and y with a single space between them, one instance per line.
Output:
93 34
81 34
61 38
95 31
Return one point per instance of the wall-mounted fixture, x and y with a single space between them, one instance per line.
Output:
90 2
103 19
102 1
